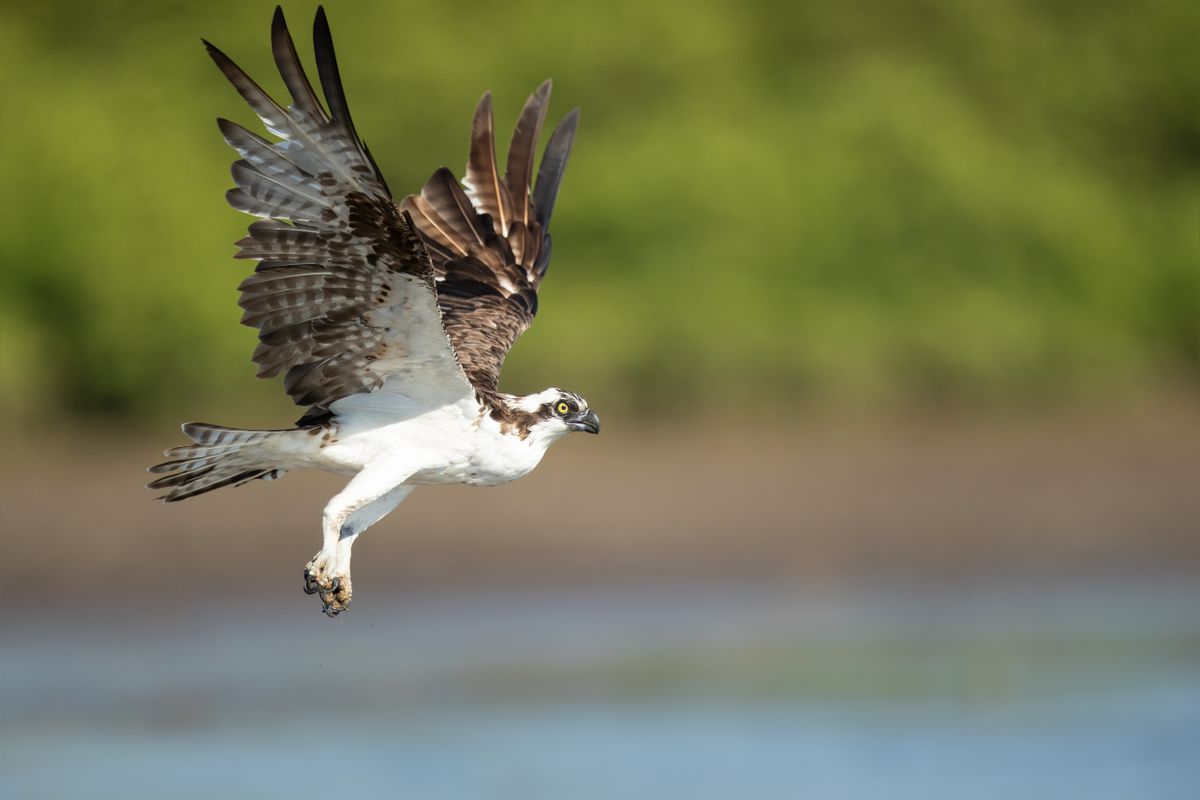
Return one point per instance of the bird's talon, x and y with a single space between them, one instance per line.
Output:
310 583
322 578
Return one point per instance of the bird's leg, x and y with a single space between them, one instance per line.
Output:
370 495
362 519
321 576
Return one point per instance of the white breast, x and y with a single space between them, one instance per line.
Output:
454 443
492 457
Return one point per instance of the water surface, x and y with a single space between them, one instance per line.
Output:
1083 690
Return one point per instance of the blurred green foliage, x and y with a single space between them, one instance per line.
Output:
863 202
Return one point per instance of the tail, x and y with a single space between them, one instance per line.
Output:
219 457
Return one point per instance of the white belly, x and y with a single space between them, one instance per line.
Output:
445 446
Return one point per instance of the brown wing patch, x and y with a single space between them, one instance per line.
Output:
489 243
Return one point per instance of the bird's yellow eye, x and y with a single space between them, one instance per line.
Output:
562 408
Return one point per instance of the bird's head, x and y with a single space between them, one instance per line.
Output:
557 412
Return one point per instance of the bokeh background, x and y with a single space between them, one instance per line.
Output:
891 310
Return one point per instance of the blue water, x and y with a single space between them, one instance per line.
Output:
1029 691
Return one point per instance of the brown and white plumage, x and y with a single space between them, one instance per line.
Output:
491 243
389 322
343 294
338 260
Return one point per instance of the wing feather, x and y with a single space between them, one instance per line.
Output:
554 162
443 194
351 290
343 294
487 191
490 244
327 69
304 99
335 95
523 150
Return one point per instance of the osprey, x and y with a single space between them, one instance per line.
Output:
389 322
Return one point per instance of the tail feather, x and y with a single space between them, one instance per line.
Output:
218 457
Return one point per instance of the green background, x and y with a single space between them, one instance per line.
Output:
769 204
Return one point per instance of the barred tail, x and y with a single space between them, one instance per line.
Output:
219 457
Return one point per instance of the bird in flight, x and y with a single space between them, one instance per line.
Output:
389 321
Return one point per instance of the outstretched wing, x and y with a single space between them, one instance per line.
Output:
343 295
490 244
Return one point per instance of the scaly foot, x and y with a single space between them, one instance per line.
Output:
334 590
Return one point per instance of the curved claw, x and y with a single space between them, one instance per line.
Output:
334 599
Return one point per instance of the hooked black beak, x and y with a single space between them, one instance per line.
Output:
586 422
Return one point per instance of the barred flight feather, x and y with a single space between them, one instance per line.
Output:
352 289
343 295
